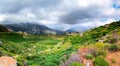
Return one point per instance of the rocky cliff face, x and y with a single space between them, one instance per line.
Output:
7 61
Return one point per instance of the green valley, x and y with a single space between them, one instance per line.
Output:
55 50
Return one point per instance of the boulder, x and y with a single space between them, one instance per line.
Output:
73 58
7 61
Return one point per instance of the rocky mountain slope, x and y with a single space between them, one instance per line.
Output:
3 29
30 28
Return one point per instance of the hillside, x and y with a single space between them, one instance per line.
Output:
3 29
64 50
95 45
103 30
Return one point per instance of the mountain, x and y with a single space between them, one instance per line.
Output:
71 30
30 28
3 29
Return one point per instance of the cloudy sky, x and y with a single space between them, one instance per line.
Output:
60 14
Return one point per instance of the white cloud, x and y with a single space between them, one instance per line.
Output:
98 23
2 18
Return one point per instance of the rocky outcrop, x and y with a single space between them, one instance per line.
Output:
79 57
7 61
73 58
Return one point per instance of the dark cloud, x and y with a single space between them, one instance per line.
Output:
77 16
13 6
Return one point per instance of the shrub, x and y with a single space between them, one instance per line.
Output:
76 64
100 45
97 52
50 64
114 47
113 40
102 52
100 61
89 56
113 60
52 60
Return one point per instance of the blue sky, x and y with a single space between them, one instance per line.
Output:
60 14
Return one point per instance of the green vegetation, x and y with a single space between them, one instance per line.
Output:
46 50
89 56
114 47
52 50
76 64
100 61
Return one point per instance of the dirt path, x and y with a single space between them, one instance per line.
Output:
113 58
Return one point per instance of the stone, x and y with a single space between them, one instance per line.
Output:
7 61
73 58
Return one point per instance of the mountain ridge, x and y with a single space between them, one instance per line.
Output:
31 28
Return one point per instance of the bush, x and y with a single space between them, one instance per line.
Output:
50 64
100 45
100 61
76 64
89 56
113 40
113 60
102 52
114 47
52 60
97 52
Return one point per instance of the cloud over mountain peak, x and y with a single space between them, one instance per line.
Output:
60 12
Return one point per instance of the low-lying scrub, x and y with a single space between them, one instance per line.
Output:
114 47
76 64
100 61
